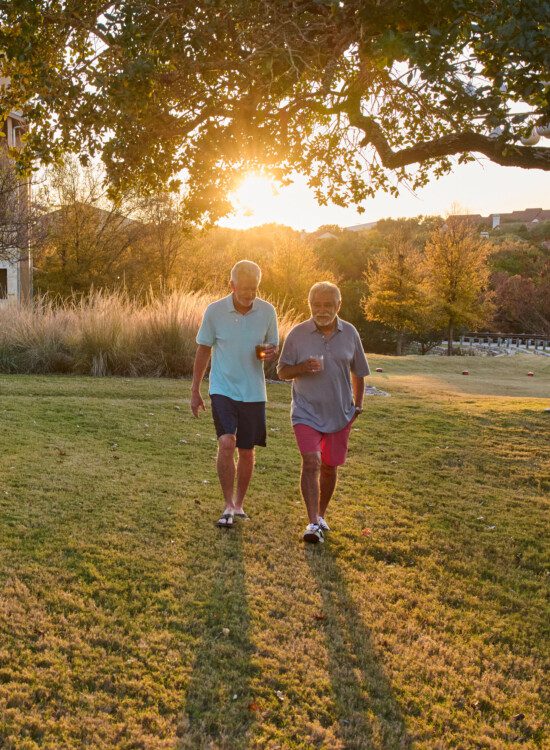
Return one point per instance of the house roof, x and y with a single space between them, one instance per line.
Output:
102 216
526 216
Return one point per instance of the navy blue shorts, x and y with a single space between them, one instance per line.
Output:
245 419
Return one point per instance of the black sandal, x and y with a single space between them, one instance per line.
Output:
225 521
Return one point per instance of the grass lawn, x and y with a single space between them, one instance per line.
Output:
127 620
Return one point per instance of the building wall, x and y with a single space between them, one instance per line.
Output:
13 281
19 272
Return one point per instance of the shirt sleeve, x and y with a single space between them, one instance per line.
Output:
272 335
359 364
289 354
206 335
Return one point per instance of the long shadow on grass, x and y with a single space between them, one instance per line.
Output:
369 715
218 696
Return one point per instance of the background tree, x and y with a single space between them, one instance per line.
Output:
513 255
351 253
347 257
395 293
289 265
15 214
208 255
291 271
349 93
520 279
83 239
522 304
456 276
161 243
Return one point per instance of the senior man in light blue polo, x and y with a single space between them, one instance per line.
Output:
325 360
239 332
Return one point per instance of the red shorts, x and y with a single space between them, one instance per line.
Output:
333 446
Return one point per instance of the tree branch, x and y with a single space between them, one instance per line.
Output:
506 154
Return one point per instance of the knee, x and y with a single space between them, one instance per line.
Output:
311 462
329 470
226 443
248 455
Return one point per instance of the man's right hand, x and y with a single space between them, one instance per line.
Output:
196 404
311 365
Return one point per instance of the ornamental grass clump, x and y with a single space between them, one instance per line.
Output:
107 333
36 339
168 329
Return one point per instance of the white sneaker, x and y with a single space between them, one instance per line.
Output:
323 524
313 533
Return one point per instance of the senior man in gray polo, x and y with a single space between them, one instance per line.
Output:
325 360
240 332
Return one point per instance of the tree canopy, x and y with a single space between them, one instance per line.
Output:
394 285
358 95
456 277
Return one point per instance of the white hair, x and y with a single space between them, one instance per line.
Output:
324 286
246 268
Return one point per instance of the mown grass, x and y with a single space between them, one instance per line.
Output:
128 620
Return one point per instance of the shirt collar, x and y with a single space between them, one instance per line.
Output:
230 307
312 326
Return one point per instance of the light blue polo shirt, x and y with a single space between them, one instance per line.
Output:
235 372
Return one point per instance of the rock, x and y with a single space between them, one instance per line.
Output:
371 390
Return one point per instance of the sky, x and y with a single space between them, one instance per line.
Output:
478 187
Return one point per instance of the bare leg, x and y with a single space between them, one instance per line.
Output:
329 475
226 468
245 467
309 484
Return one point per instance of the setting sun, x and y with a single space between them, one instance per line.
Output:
255 199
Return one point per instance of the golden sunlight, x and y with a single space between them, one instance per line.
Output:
255 198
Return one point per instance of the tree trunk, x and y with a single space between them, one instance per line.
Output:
450 340
399 343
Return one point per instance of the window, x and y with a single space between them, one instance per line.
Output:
3 283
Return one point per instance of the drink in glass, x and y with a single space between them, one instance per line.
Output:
261 351
321 359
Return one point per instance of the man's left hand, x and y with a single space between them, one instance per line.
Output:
271 352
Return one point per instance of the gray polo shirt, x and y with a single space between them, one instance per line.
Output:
324 400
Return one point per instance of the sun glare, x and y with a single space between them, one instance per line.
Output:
255 198
483 188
